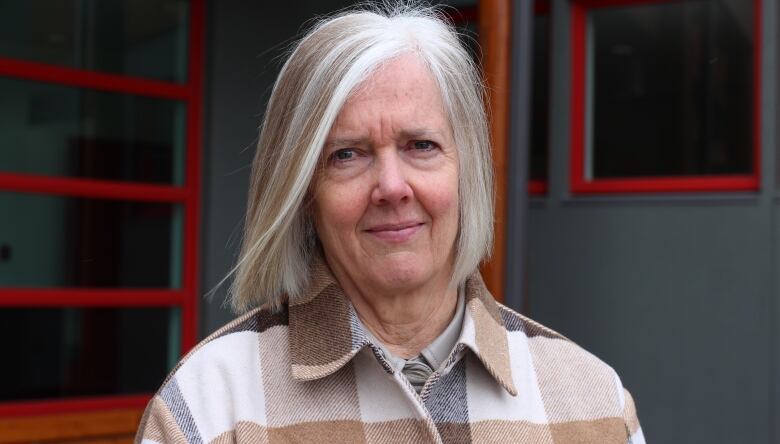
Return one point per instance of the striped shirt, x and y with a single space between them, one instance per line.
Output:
308 373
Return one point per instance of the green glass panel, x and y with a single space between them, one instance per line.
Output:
145 38
52 241
63 131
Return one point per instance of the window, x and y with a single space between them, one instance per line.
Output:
99 192
665 95
540 99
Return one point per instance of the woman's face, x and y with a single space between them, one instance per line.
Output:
386 198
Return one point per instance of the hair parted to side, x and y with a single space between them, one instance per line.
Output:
325 67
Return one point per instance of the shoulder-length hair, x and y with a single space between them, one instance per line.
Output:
324 68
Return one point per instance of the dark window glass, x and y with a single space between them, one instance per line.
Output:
63 131
540 94
69 352
468 28
540 97
671 89
146 38
51 241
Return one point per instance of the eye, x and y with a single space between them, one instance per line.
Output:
424 145
423 149
343 155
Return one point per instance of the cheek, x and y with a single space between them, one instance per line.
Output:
337 210
442 203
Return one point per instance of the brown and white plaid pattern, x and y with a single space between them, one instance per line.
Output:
308 374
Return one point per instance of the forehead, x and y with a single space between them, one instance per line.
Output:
401 92
403 72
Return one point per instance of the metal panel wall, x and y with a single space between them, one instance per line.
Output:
677 292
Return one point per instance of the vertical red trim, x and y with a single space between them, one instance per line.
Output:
578 79
757 88
495 29
192 206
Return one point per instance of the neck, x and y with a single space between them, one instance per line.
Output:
406 320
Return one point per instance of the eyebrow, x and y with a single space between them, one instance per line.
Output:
421 133
345 142
416 133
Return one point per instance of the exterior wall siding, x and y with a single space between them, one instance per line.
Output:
677 291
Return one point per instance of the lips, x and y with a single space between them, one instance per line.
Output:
395 233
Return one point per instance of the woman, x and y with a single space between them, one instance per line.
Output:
369 212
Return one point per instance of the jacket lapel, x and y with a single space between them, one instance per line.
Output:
485 334
323 328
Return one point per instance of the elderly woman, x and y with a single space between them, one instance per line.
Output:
370 210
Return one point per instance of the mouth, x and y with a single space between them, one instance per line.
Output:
395 233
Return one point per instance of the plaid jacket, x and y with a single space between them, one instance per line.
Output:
308 374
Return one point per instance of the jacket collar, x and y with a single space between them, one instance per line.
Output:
325 333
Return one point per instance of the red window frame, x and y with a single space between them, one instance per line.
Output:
704 183
188 195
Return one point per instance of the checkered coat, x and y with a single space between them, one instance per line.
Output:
308 374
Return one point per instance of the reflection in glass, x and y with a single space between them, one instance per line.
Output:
146 38
64 131
70 352
71 242
671 89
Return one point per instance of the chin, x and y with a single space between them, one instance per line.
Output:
402 274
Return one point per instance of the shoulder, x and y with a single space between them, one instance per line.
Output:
216 384
573 384
240 335
515 322
554 356
544 342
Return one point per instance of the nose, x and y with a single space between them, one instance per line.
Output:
392 185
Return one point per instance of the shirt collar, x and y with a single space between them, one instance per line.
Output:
325 332
437 351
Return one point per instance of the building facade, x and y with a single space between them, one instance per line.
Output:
650 214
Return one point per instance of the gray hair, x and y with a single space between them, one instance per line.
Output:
325 67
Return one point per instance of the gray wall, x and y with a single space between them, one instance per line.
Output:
677 293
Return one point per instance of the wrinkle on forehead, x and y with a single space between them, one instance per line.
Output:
380 86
